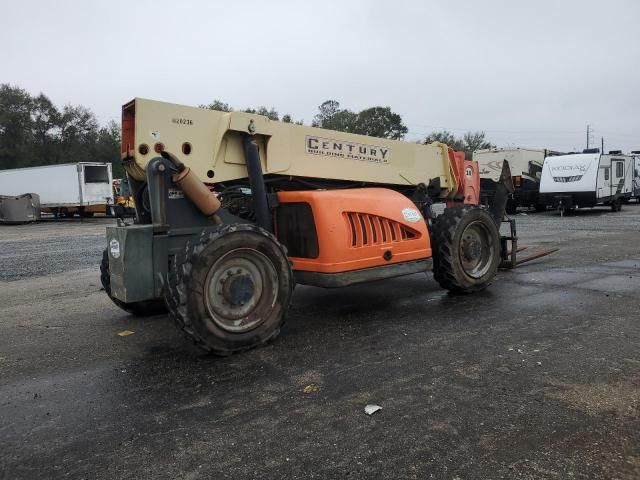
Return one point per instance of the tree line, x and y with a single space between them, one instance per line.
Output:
34 131
377 121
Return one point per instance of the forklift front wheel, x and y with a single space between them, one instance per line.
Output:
466 249
231 291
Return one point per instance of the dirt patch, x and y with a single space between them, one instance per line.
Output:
623 399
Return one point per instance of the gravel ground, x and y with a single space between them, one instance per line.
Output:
538 377
52 246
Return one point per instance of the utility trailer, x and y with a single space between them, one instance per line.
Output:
586 180
526 168
291 204
82 188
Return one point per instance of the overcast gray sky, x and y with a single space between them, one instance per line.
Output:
528 73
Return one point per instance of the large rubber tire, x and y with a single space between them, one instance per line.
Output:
616 205
231 289
540 207
139 309
466 249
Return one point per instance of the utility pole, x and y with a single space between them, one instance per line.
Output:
601 144
587 136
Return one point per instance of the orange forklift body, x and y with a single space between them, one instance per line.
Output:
334 231
471 182
468 175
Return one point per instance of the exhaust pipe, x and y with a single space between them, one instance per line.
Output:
194 189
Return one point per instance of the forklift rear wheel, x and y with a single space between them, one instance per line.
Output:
139 309
231 290
466 249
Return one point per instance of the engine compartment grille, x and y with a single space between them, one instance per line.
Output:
366 230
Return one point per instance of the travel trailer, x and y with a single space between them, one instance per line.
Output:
526 168
636 175
587 179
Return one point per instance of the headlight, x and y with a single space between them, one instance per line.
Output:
114 248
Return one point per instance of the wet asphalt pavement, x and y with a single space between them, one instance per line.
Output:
537 377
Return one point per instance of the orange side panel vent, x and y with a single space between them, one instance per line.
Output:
345 238
366 230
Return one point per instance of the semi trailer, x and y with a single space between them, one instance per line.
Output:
234 209
526 168
587 179
82 188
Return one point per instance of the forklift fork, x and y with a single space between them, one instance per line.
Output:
508 243
508 251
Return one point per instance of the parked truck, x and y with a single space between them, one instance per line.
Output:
292 205
65 190
526 168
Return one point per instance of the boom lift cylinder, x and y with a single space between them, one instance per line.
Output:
256 182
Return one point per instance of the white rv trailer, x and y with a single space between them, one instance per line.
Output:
82 188
587 180
636 176
526 168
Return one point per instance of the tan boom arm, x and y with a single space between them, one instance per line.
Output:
210 143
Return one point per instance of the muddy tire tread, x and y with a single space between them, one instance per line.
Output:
176 288
442 239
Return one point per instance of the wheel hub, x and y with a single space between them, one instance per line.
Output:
238 288
476 252
471 249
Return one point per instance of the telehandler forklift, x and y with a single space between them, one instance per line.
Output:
234 209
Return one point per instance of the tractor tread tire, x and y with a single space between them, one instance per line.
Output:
177 291
139 309
446 268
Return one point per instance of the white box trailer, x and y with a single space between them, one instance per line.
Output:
587 180
526 168
82 188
